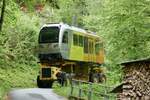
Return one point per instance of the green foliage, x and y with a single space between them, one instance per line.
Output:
16 76
18 67
129 28
72 11
99 91
20 34
124 25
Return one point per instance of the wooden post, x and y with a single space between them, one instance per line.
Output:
2 14
90 91
80 89
72 88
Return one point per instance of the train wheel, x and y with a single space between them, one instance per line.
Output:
44 83
50 84
95 80
39 82
91 78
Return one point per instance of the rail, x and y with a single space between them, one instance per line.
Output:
82 90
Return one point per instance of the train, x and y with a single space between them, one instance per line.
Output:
65 48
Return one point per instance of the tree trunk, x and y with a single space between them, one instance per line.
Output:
2 14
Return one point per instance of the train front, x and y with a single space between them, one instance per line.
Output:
48 54
49 43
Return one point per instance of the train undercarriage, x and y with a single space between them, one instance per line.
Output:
64 71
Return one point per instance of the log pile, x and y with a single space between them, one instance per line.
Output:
137 79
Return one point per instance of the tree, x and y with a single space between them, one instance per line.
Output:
72 11
127 23
53 3
124 25
2 14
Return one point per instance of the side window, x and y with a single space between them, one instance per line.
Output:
98 46
80 40
65 37
91 48
75 39
85 45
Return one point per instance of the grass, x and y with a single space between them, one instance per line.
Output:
65 91
17 76
113 79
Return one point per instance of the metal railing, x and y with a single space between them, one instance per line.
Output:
82 90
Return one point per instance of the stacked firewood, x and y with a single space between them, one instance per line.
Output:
137 79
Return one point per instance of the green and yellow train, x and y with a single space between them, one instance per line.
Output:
69 49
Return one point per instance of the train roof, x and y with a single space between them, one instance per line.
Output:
87 32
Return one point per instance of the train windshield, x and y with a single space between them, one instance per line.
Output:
49 35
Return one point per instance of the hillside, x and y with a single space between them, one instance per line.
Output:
124 26
18 67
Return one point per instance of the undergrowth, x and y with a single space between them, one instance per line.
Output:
17 76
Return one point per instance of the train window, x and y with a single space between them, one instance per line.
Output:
98 46
85 45
92 47
75 39
49 35
89 46
65 37
80 40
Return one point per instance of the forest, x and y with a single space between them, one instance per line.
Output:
124 26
